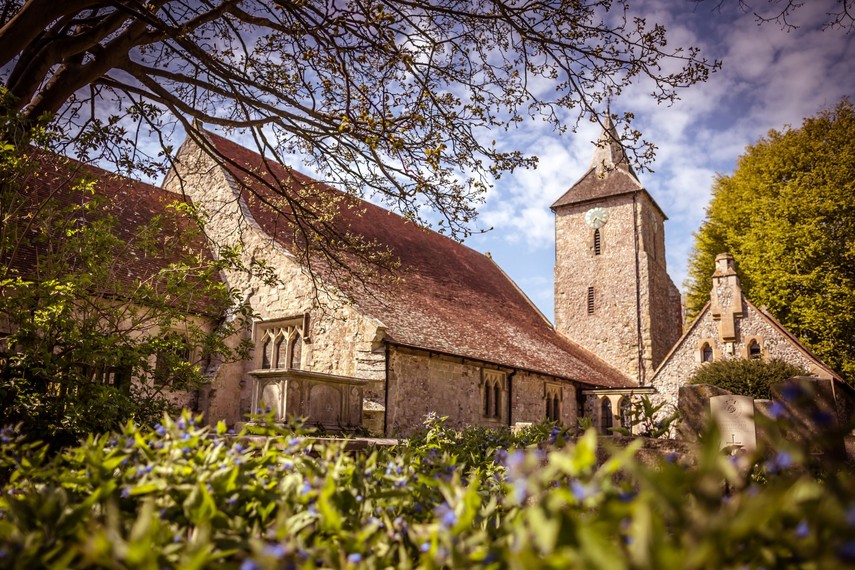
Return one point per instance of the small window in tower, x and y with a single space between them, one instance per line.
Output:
754 352
706 353
590 300
597 242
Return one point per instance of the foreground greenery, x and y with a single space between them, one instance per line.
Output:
177 496
787 214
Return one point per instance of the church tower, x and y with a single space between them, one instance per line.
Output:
613 294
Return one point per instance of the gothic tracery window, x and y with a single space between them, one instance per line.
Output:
493 385
553 404
281 345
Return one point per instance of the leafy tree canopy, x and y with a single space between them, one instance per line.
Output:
393 98
746 377
101 319
787 214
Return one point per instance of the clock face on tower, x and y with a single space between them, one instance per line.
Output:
596 217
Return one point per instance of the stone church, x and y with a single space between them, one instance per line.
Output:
450 333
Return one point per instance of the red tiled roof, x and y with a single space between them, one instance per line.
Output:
132 203
448 298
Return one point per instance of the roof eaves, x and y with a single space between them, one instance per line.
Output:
681 341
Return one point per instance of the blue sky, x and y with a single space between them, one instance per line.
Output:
770 78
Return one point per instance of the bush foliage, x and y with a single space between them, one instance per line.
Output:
177 496
746 377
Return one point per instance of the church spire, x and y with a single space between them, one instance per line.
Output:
609 152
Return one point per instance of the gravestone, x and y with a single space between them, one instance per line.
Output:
811 414
734 416
694 408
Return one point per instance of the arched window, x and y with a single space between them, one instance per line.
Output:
266 352
625 412
556 409
549 408
597 242
280 348
488 400
754 352
296 351
706 353
497 401
606 416
590 300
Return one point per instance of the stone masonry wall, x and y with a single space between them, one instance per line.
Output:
686 357
341 341
529 398
421 382
611 331
662 321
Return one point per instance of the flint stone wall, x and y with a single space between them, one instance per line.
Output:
685 359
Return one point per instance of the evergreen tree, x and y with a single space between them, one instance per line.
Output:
787 214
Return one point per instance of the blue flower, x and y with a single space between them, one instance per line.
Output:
249 564
275 550
822 418
792 392
425 546
181 424
581 491
354 558
627 496
446 515
782 460
777 409
802 530
847 551
160 430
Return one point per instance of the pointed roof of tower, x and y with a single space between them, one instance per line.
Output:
610 172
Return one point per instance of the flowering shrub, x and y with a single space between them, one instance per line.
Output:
181 496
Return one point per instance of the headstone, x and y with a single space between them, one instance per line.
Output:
734 416
811 416
694 408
